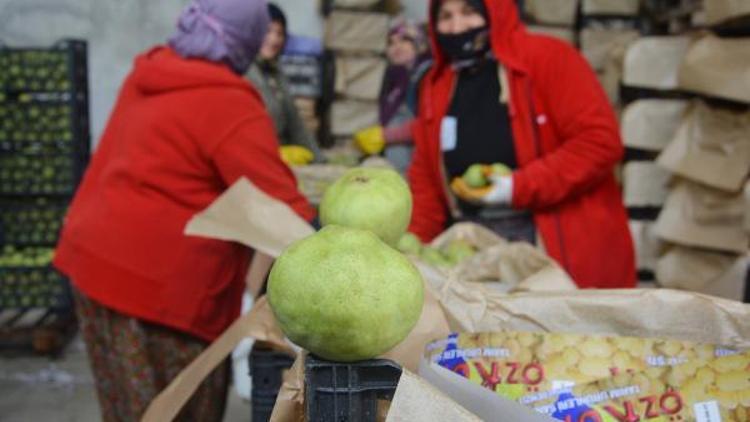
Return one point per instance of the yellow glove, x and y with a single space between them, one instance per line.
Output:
295 155
371 140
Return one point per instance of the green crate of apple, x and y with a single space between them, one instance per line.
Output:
448 256
478 177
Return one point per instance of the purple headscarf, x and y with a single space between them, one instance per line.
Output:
229 31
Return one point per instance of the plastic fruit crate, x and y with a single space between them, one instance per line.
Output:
28 281
22 174
344 392
37 127
266 368
31 221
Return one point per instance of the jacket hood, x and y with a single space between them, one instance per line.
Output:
505 24
162 70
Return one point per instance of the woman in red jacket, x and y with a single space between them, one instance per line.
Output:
185 127
497 94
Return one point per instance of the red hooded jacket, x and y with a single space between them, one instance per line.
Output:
182 131
567 145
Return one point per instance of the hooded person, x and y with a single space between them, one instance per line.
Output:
185 127
299 147
497 94
408 61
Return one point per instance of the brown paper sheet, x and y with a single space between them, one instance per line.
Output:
651 124
718 67
712 146
291 399
169 402
718 11
245 214
416 401
654 62
659 313
698 216
714 273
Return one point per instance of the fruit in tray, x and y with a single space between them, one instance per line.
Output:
374 199
410 244
34 70
30 222
30 174
33 128
345 295
25 257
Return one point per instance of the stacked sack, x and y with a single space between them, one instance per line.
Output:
556 18
607 28
695 122
704 217
648 124
356 36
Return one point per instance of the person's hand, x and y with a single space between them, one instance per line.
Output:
295 155
499 191
370 141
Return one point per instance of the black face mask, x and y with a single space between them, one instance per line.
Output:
467 47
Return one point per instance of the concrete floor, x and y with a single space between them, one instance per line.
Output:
40 389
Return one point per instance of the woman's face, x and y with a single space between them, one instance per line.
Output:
401 51
457 16
274 41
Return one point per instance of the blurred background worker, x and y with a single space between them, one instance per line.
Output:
185 127
497 94
408 61
298 145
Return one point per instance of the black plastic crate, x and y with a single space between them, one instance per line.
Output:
31 221
31 175
341 392
33 127
27 281
61 68
266 368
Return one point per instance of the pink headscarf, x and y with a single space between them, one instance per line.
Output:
229 31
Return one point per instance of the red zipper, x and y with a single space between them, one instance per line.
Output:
538 150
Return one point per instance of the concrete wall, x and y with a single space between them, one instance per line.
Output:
117 30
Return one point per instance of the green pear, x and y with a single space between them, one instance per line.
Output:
410 244
374 199
501 170
474 176
345 295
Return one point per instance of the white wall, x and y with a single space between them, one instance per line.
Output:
117 30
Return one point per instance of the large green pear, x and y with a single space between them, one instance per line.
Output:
345 295
374 199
